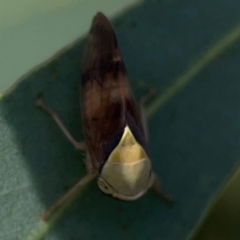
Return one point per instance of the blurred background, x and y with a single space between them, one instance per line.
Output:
31 32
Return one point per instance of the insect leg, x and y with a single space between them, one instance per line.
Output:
89 165
63 202
76 144
156 186
157 189
142 103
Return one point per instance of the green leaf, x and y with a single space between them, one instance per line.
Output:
194 128
222 220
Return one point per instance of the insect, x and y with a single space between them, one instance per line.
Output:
115 139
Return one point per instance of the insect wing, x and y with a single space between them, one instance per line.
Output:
107 101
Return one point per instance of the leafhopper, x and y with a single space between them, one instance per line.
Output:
115 136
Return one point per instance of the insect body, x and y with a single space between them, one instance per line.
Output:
112 126
115 141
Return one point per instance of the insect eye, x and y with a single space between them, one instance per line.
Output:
106 188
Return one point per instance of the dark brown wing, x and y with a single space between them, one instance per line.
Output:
107 101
